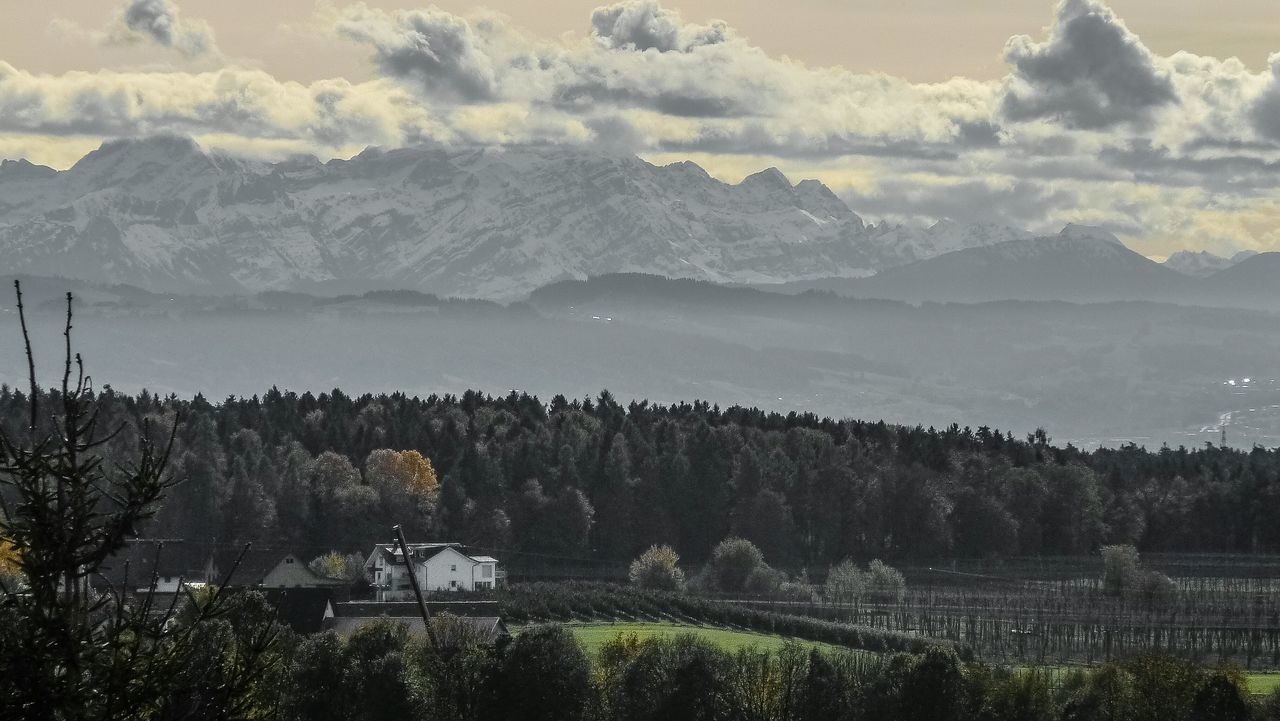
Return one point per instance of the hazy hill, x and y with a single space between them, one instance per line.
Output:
1087 373
1080 264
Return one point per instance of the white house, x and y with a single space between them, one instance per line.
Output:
438 566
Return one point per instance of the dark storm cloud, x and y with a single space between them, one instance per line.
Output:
1265 114
1092 72
439 51
159 22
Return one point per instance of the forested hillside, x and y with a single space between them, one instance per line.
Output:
594 479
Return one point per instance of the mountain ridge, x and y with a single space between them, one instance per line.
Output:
476 221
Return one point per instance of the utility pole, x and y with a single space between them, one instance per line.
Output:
417 590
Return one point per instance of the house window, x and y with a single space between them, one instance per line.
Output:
288 560
453 568
453 584
486 571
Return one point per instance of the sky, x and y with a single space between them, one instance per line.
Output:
1157 119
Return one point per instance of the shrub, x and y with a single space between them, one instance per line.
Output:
1155 587
799 591
337 566
845 582
1109 694
671 680
1269 707
935 687
764 580
732 563
1024 696
883 577
545 676
1220 698
658 568
1119 569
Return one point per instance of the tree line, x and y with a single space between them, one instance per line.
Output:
594 479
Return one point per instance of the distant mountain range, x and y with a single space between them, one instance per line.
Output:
1202 263
162 214
1080 264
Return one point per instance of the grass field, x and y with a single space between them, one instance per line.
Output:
594 635
1263 683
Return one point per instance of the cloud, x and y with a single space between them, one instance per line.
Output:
159 22
644 25
250 104
1092 72
675 84
1265 113
1089 125
439 51
1017 203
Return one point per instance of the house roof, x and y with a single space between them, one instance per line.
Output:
422 552
253 566
256 564
138 562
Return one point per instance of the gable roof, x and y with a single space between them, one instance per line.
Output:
257 564
421 552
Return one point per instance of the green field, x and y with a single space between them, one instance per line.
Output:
594 635
1263 683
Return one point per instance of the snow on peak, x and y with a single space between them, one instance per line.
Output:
1202 263
1088 232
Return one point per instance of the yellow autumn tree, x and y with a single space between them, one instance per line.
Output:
416 473
8 558
402 478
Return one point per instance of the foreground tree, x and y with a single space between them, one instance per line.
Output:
66 653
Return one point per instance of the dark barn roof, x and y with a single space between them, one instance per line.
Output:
302 609
138 562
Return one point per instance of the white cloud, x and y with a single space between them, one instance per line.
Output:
1090 124
644 25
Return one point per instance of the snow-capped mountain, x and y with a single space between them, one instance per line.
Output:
1202 263
902 244
162 214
